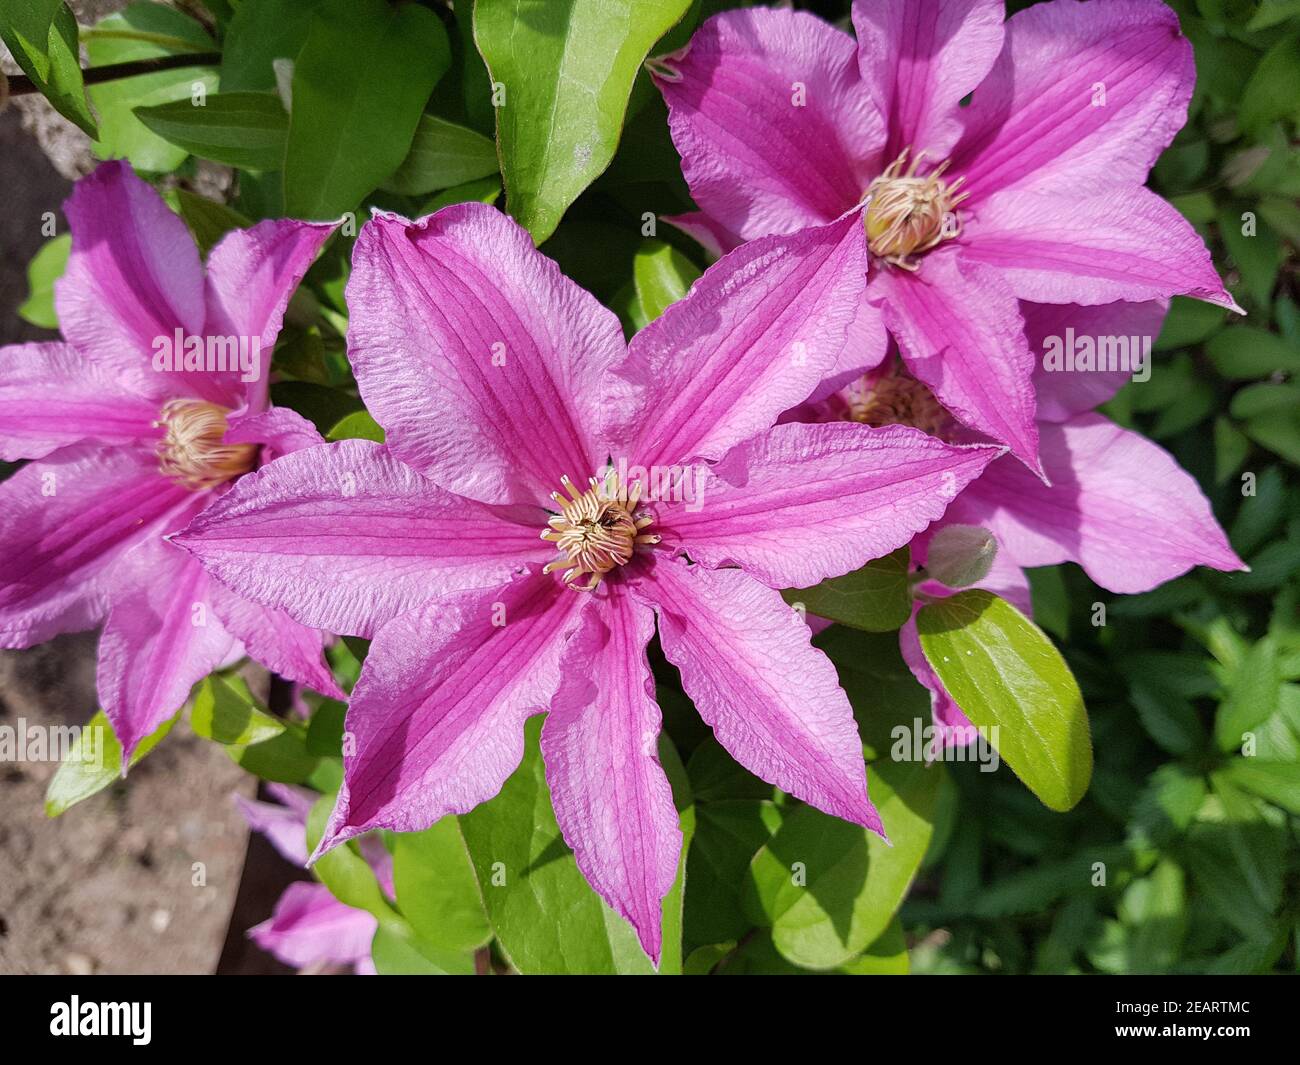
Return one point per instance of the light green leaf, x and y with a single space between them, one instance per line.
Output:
396 951
46 267
442 155
242 129
1003 671
1254 688
436 887
342 869
876 598
147 31
359 425
1154 910
829 888
359 86
50 57
566 68
661 275
485 190
225 710
93 763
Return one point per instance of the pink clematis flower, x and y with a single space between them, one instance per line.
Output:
310 928
1118 504
1032 192
520 425
131 445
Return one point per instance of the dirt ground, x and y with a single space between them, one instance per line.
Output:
143 877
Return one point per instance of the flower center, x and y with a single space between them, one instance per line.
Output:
596 530
192 452
890 396
907 215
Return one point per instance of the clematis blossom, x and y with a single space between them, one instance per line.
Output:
1118 504
1033 192
547 498
128 446
310 928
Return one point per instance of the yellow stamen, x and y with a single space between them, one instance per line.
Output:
192 452
596 530
908 215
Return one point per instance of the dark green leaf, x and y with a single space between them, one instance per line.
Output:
442 155
243 129
876 598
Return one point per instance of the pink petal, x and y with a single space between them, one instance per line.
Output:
345 537
439 709
251 275
275 640
959 330
161 638
774 127
712 235
133 277
1038 121
755 335
919 58
64 521
600 745
477 356
772 700
284 826
310 927
1125 244
51 396
278 429
1119 506
800 503
1060 327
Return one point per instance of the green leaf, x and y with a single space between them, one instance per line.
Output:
93 763
442 155
1257 257
887 956
49 56
661 275
359 425
397 952
876 598
1275 782
728 835
436 888
829 888
225 710
26 25
342 869
1273 90
1254 689
243 129
1242 353
208 220
485 190
145 31
566 67
283 758
1154 909
359 86
261 32
547 918
1003 671
1278 430
1189 322
46 267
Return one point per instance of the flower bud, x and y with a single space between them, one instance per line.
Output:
961 555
